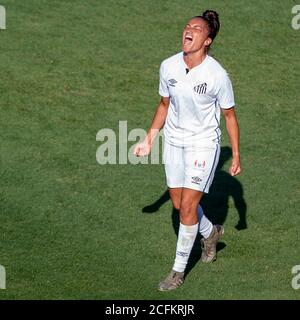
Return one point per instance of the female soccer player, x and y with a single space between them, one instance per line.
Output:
194 88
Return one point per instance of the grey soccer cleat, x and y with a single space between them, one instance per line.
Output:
209 245
173 281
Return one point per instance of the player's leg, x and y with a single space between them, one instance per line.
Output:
183 171
200 165
175 195
174 169
205 225
188 230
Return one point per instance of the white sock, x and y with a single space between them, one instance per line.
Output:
185 242
205 226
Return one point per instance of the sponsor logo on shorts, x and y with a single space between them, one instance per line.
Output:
196 180
200 164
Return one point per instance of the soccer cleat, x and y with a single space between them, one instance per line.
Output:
173 281
209 245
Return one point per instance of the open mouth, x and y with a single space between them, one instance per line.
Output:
188 39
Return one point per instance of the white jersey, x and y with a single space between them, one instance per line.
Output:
196 97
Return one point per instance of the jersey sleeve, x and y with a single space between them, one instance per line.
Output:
163 85
225 94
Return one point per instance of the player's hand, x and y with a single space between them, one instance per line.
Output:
235 168
142 149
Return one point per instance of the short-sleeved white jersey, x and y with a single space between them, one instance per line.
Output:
196 97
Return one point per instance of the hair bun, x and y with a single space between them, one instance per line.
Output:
210 15
212 19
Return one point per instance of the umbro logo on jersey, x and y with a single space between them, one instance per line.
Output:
172 82
201 88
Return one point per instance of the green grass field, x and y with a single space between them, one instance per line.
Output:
73 229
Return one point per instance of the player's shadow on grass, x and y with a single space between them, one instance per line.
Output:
215 204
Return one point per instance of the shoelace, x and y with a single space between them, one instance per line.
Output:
178 279
207 246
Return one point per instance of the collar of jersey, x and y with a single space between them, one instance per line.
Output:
196 67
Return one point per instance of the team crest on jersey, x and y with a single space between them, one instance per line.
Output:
172 82
201 88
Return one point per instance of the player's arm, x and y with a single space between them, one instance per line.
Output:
143 148
234 136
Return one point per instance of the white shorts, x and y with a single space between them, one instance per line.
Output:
191 167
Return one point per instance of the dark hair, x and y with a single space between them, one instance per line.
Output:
212 19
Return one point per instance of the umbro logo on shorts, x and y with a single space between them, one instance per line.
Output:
172 82
201 88
196 180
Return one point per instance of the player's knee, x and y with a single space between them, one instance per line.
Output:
186 209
